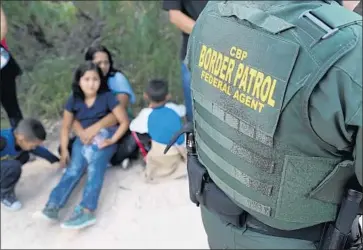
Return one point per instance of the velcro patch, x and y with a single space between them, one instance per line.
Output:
244 71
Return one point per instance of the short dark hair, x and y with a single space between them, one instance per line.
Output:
32 129
157 90
80 71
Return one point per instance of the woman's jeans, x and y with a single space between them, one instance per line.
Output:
186 79
76 168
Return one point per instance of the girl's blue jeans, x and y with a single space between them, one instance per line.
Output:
75 170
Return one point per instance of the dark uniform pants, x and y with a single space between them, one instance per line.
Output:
226 236
10 175
8 95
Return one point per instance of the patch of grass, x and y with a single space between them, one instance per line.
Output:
138 33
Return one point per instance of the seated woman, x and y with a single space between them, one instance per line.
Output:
90 102
119 85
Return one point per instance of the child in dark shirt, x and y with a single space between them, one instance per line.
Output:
15 146
89 103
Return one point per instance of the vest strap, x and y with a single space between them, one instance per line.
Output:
255 16
336 16
328 18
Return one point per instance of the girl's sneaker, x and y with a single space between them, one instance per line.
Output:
79 219
51 213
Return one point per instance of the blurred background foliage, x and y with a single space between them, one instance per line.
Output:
49 39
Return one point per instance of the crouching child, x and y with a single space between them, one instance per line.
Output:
15 146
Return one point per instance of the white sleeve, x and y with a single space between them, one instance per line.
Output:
179 109
139 124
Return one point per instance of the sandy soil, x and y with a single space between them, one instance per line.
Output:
131 214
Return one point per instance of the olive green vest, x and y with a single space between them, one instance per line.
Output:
253 73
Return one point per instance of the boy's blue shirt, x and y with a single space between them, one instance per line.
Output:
9 151
160 123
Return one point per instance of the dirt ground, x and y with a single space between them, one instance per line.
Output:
131 214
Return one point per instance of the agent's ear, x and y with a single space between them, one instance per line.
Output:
146 98
168 97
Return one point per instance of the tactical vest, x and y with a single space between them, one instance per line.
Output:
253 73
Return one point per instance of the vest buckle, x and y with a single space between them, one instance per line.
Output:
318 22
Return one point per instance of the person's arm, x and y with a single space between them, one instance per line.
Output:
139 124
121 86
123 120
177 17
121 117
124 100
45 154
4 24
182 21
67 121
357 154
86 135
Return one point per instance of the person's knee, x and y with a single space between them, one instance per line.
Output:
17 169
10 172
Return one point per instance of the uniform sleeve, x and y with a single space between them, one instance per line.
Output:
139 124
70 104
336 113
357 154
111 100
121 85
172 5
45 154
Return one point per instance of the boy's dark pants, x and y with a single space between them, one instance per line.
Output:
10 175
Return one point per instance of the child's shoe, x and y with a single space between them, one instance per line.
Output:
10 202
79 219
51 213
126 163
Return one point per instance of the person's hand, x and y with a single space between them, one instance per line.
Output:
64 159
56 164
84 137
106 143
89 133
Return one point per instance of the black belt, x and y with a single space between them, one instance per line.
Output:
204 191
313 233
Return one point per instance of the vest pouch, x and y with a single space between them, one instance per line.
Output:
216 201
196 175
301 176
203 190
331 188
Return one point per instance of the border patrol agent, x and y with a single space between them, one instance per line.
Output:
277 106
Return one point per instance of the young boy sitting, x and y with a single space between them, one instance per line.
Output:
161 120
15 145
